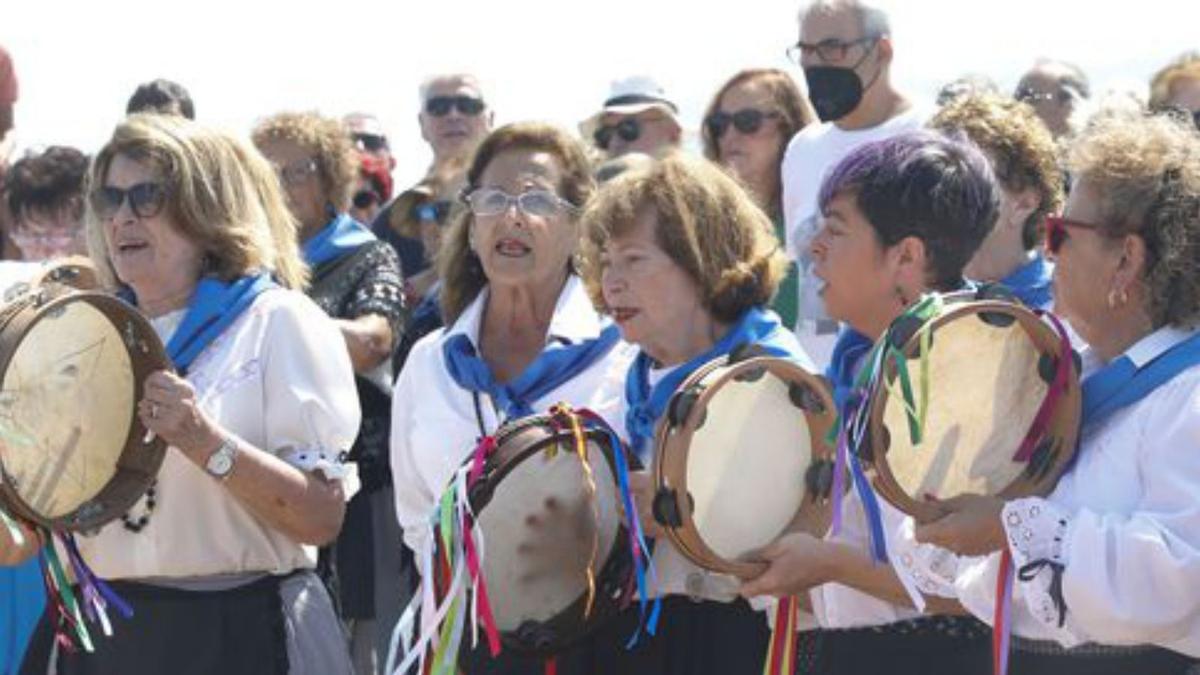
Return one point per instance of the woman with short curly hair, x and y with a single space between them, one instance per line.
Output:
356 281
1109 562
685 262
1024 161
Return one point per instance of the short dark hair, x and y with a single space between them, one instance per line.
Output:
46 182
162 96
921 184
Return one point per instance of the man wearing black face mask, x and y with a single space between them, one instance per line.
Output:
845 49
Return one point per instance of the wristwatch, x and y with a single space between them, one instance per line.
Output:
220 462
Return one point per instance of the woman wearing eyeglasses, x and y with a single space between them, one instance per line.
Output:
356 281
746 129
1108 565
216 559
521 334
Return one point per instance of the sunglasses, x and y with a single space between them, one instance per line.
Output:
146 200
439 106
537 203
1056 231
629 129
431 212
365 199
747 121
371 142
1033 97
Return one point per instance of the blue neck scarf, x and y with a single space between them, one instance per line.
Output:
1121 384
214 307
848 352
1032 283
340 236
557 364
757 326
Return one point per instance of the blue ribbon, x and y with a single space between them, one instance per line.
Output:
848 351
1032 283
757 326
556 365
342 235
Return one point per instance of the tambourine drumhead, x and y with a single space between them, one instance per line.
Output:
72 451
538 556
990 366
527 583
733 469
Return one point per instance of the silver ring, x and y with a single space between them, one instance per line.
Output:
153 411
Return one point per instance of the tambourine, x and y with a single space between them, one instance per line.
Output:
741 458
545 596
73 452
73 272
992 405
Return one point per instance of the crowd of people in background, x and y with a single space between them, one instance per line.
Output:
422 286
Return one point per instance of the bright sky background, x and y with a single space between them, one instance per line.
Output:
78 61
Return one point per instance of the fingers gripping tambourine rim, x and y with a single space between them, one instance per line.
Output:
521 440
674 437
1063 427
142 455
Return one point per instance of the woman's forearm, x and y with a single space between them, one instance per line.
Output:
369 340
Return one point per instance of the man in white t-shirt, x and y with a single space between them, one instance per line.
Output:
845 49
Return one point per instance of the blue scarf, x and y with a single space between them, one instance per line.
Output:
213 307
340 236
556 365
757 326
1032 283
1121 384
848 352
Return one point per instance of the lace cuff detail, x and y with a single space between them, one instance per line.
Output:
331 465
930 569
1036 530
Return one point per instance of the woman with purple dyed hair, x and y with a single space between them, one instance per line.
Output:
902 217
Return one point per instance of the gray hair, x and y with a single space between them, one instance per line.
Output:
872 18
464 78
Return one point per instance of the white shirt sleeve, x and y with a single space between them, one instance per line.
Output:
414 502
791 197
311 403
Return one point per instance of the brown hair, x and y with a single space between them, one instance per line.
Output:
1146 171
329 142
1020 148
706 223
795 113
221 194
1186 66
460 270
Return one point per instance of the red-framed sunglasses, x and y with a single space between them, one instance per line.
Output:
1056 231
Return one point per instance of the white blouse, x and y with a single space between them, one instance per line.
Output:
1124 525
280 379
434 426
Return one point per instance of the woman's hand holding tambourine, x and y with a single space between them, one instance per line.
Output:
12 553
796 563
971 526
169 410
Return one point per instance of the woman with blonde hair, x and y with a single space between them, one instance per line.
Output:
685 262
216 559
747 127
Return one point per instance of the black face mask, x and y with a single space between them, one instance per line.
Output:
835 92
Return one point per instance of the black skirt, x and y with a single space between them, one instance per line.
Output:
936 645
1032 657
233 632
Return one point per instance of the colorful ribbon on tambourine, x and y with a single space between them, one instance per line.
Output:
70 615
850 432
1054 393
1002 618
782 654
453 592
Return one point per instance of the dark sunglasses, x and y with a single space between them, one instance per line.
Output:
1033 97
146 200
371 142
431 212
365 199
629 129
747 121
439 106
1056 231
